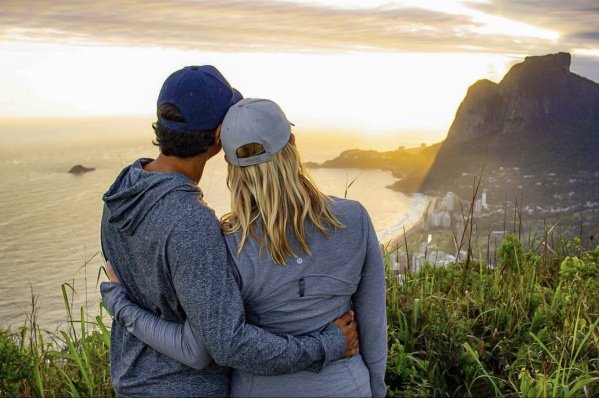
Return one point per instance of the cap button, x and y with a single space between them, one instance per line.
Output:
194 68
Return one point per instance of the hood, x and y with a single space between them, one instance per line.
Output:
135 192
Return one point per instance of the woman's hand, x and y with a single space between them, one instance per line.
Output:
114 278
349 328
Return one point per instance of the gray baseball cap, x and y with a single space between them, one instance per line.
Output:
254 120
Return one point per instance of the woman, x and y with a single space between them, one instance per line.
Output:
301 258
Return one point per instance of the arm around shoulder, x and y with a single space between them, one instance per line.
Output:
210 297
174 339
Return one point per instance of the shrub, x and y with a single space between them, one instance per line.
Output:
16 366
526 328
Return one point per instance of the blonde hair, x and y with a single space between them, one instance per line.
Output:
282 196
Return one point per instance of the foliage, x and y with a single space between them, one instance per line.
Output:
528 327
16 367
510 251
72 362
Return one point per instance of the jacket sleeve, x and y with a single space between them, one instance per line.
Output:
174 339
209 295
370 311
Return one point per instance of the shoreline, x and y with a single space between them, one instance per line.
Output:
409 221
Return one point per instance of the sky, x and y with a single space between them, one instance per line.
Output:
372 66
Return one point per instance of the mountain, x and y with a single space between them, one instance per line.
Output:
536 131
409 165
534 136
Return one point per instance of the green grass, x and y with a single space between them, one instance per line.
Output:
529 327
74 362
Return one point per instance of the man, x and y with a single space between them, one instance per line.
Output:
167 249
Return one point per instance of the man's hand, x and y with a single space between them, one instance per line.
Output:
114 278
348 326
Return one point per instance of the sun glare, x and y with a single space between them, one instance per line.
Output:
378 92
384 91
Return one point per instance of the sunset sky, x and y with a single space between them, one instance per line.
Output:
376 66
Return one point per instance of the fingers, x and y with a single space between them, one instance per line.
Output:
345 318
351 353
352 348
349 328
353 342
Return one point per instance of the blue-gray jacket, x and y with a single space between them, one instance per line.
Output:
169 253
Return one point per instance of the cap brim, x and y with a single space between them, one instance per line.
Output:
237 96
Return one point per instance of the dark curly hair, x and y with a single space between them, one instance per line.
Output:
182 145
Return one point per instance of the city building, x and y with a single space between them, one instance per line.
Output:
477 206
448 202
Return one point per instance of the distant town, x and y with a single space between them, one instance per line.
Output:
442 235
520 157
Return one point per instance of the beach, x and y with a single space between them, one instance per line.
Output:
410 221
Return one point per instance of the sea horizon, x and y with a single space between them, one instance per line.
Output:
50 218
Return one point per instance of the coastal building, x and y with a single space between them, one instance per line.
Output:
446 220
417 262
440 219
392 258
448 202
478 206
398 262
484 200
393 265
436 258
402 260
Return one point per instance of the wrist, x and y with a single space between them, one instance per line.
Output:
333 343
114 297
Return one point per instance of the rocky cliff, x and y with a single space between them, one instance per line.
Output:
540 120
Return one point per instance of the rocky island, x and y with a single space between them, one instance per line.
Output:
79 169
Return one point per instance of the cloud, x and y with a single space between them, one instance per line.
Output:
576 20
262 25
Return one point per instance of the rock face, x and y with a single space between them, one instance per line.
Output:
537 93
541 118
79 169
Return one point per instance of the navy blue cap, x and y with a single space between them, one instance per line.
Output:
203 96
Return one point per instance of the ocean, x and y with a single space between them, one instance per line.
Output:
49 219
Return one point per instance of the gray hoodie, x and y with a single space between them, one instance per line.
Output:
169 253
